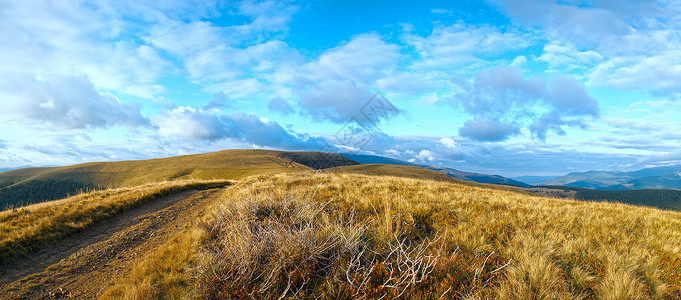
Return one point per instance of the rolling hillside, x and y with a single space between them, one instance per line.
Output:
345 236
668 177
31 185
664 199
339 234
394 170
468 176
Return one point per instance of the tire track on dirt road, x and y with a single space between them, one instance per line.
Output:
81 265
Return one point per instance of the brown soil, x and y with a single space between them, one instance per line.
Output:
81 265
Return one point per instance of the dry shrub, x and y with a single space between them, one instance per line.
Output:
275 248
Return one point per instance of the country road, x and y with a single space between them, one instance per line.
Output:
81 266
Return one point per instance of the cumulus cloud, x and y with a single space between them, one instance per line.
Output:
487 129
202 125
335 101
660 73
584 23
462 45
280 105
214 54
620 44
501 97
568 57
68 102
448 142
335 86
364 59
219 101
425 155
71 38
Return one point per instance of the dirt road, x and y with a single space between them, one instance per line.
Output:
81 265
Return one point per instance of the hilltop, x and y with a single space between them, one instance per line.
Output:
32 185
467 176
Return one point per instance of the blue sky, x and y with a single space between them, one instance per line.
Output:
504 87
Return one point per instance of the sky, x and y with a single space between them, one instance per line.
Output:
498 87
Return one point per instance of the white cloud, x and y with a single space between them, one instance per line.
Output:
364 59
425 155
219 102
462 45
448 142
279 104
618 44
407 82
488 129
335 101
67 103
589 24
519 61
209 125
69 38
659 73
566 57
501 98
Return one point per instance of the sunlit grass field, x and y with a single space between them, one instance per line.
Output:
344 236
227 164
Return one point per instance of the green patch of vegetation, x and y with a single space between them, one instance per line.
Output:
317 160
6 183
664 199
37 191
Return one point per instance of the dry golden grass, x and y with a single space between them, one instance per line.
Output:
29 227
164 275
227 164
345 236
394 170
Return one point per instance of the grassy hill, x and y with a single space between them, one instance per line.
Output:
343 236
664 199
394 170
467 176
667 177
32 185
415 172
228 164
336 235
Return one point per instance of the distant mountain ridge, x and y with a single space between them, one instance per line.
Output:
533 180
668 177
469 176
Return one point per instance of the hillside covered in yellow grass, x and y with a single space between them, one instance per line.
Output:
32 185
345 236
